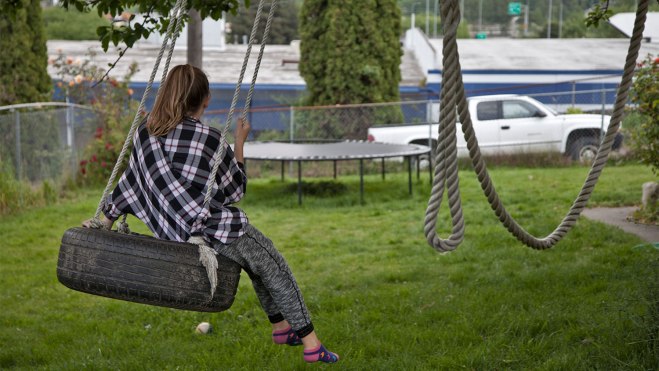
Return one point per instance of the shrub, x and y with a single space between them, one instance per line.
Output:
17 195
321 188
644 135
574 111
23 74
114 109
61 24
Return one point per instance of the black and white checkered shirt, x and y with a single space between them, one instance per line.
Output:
164 185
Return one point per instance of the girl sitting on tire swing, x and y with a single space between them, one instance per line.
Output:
173 140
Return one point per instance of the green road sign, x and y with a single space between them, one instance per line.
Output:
481 35
514 8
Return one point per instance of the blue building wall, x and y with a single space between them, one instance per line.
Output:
271 103
545 85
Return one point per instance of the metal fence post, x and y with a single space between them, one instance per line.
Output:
70 137
603 98
69 127
291 123
291 135
574 93
429 119
19 159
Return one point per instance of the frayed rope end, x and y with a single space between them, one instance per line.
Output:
207 258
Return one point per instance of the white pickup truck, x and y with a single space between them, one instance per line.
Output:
507 124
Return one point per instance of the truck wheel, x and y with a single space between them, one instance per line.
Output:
584 149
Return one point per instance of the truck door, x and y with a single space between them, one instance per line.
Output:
486 126
526 128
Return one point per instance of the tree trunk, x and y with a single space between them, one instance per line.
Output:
195 39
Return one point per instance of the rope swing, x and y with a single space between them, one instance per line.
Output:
78 242
446 170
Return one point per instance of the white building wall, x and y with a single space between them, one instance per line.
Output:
425 53
213 35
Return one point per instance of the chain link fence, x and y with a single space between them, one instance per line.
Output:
41 141
343 122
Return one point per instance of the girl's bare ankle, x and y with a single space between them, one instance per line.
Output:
283 325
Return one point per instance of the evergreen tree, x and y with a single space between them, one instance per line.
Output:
24 58
350 51
282 31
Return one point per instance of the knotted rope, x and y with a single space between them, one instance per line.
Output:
452 91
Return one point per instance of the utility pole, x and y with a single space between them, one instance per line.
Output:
427 17
195 39
434 20
526 19
480 15
560 20
549 22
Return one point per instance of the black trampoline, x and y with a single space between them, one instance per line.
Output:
335 151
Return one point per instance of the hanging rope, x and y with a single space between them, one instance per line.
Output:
207 256
446 169
220 154
452 90
177 16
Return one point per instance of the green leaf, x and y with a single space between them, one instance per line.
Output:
105 42
116 37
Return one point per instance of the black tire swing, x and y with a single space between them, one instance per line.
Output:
143 269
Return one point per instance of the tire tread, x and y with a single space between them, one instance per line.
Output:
143 269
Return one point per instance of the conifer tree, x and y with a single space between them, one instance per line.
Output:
24 57
350 51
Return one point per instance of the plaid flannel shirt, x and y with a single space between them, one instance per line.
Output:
164 185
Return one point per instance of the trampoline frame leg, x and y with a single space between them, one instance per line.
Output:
409 173
299 182
361 181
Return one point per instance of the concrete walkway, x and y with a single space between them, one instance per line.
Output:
617 216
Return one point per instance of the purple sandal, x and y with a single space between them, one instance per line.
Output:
286 336
320 354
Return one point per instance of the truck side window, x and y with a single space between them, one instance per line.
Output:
515 109
488 111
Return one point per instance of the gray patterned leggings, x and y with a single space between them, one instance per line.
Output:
271 277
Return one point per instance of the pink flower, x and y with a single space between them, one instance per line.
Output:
93 159
69 60
104 164
83 163
108 146
78 79
130 91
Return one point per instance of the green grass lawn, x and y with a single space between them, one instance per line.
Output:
379 295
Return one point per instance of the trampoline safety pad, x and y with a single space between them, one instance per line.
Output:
348 150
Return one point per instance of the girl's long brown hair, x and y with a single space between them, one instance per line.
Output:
184 91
